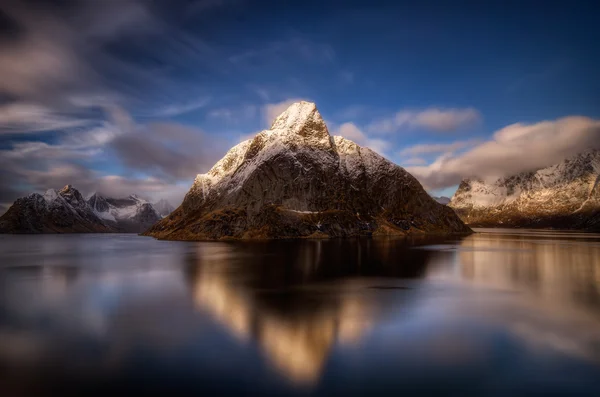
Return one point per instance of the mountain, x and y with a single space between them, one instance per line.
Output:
64 211
442 200
163 207
564 195
296 180
131 214
67 211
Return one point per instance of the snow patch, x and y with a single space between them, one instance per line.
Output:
50 195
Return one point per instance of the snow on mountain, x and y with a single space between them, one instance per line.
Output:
296 180
67 211
163 207
64 211
130 214
564 195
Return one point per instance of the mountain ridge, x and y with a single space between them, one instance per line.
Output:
67 211
563 195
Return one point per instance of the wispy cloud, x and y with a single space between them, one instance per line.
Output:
154 156
287 50
25 117
432 148
351 112
413 161
433 119
178 109
235 115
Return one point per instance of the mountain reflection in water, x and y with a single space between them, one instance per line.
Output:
508 312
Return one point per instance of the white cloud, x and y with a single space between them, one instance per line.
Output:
175 110
413 161
513 149
434 119
221 113
351 112
25 117
166 155
421 149
355 134
238 115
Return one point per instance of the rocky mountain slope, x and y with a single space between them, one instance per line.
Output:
564 195
63 211
67 211
131 214
295 180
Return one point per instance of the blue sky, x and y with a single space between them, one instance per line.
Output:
135 96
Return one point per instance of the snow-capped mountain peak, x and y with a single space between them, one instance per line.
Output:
301 118
299 127
296 169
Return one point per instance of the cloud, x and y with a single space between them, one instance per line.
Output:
60 50
178 109
261 92
166 150
351 112
413 161
24 117
355 134
421 149
433 119
291 50
235 114
513 149
159 159
272 110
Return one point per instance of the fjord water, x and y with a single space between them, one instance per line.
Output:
500 312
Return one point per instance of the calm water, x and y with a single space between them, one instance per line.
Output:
496 313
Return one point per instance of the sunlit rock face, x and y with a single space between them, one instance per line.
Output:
296 180
565 195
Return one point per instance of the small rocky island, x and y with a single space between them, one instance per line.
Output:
296 180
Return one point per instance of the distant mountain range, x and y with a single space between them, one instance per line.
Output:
565 195
442 199
296 180
67 211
